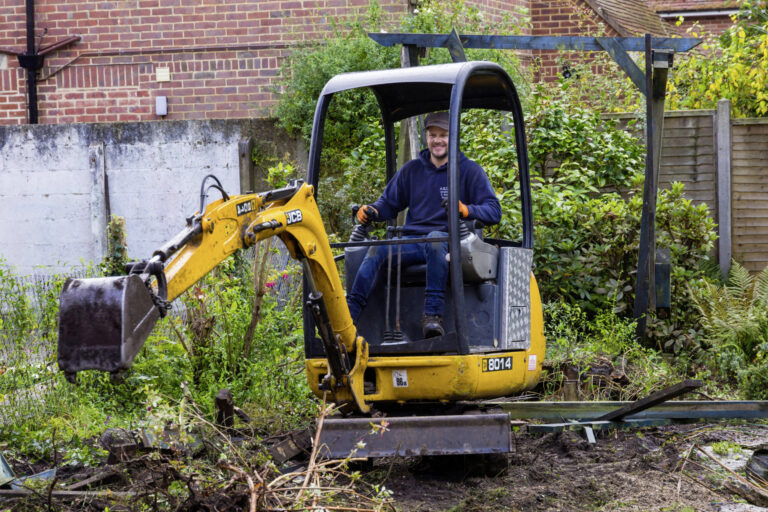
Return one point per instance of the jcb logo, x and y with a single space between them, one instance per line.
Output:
497 364
243 208
292 217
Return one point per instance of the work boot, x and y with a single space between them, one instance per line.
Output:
432 325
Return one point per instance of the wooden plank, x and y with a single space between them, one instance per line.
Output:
750 121
752 230
746 222
658 397
750 155
748 182
704 132
688 150
700 143
749 165
750 209
694 168
749 145
752 248
754 195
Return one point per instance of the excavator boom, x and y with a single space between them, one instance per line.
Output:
105 321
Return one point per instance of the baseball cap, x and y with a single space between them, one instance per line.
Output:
439 119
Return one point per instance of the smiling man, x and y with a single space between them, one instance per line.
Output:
421 185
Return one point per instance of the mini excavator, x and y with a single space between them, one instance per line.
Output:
377 371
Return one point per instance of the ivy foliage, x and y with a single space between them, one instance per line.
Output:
733 66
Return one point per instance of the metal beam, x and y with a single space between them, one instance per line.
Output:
649 401
455 47
597 425
579 43
678 409
620 56
657 64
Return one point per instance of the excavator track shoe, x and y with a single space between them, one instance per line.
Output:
103 323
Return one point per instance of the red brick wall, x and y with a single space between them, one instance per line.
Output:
564 18
512 16
713 25
222 57
700 26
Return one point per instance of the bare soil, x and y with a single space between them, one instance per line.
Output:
631 470
628 470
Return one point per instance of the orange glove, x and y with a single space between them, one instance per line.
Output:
463 210
366 213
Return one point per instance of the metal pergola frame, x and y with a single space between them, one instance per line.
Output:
659 56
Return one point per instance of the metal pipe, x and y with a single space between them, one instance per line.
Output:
31 71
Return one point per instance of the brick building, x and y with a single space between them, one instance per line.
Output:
702 16
215 60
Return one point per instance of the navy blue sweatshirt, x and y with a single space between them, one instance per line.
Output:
421 187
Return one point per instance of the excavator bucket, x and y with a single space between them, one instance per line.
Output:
103 323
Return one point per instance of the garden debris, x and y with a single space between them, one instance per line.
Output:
67 495
95 479
757 468
22 481
292 445
6 473
734 482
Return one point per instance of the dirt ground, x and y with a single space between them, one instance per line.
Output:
632 470
628 470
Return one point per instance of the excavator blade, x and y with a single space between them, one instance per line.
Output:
103 323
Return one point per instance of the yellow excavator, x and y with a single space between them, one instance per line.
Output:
494 342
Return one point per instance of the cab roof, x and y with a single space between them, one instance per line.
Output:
406 92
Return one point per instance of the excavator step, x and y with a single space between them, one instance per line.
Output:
408 436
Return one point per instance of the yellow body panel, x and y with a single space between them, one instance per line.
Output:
452 377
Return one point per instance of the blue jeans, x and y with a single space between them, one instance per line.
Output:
433 254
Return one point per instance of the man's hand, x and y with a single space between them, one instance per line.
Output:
366 213
463 210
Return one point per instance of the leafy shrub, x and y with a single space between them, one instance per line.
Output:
734 318
738 71
585 341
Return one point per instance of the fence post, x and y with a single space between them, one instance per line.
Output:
99 199
723 145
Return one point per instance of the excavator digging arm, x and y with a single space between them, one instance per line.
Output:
90 306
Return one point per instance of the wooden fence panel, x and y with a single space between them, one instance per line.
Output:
749 163
688 155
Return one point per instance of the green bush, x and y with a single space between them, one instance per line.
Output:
576 338
733 66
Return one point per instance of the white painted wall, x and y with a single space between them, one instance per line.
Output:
52 201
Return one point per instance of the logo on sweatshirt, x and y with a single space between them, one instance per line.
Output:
444 192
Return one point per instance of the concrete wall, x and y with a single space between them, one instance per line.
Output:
58 182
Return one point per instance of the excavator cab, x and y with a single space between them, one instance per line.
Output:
494 344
